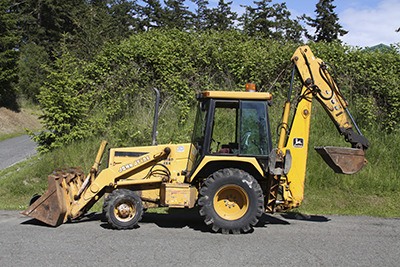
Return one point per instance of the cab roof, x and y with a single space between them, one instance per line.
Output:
234 95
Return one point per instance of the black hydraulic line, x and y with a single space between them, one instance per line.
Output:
353 121
331 86
165 172
308 66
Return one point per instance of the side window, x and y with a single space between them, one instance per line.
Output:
223 137
254 137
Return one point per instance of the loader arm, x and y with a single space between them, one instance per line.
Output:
116 176
70 195
294 134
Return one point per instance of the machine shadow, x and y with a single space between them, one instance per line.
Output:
269 219
193 220
305 217
86 218
177 218
36 223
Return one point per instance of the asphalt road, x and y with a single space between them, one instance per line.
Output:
183 240
16 149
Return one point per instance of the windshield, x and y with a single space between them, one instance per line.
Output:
254 132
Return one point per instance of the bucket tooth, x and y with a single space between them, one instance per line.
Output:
343 160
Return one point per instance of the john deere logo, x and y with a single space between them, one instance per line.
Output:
298 142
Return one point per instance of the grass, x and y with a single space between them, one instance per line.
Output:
342 202
374 191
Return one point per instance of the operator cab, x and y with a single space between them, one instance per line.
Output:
232 124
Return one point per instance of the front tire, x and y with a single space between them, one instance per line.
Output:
123 209
231 200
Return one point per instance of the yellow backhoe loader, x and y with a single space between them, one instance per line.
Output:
230 170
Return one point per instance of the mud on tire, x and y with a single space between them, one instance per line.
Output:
231 201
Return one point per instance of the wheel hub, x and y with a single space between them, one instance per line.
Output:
231 202
123 210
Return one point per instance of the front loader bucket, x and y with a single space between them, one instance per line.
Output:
52 207
343 160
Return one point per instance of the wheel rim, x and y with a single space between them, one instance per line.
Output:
231 202
125 211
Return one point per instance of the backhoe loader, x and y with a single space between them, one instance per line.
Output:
230 171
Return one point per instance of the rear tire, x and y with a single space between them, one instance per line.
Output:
231 201
123 209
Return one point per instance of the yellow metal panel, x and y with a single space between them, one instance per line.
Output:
237 95
177 161
150 194
297 142
178 195
208 159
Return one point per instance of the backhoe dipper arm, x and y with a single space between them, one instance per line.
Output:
315 76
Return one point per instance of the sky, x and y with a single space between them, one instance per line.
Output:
368 22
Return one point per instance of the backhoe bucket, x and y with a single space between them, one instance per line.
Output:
343 160
52 207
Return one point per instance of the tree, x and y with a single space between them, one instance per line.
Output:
63 102
32 73
151 14
222 17
202 13
9 40
125 17
284 27
177 15
44 22
270 21
258 20
326 23
98 22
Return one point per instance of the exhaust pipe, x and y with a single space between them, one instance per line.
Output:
155 121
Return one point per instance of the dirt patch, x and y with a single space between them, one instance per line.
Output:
17 122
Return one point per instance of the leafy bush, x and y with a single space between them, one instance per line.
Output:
105 94
371 78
